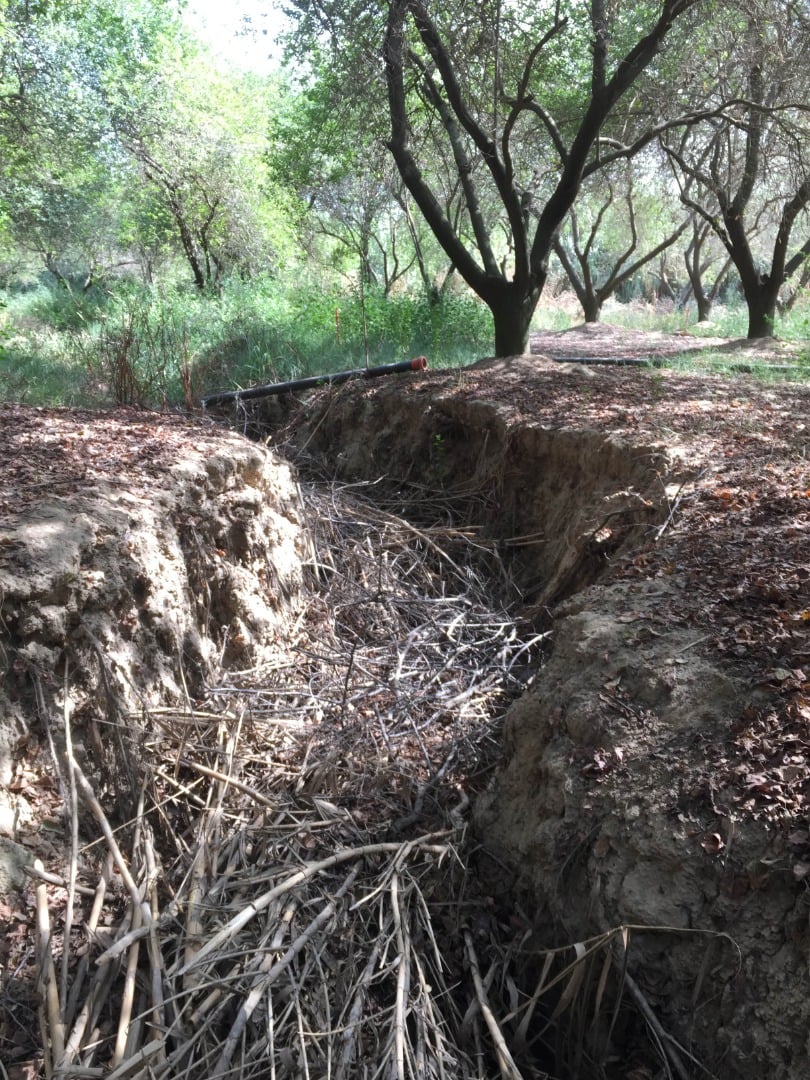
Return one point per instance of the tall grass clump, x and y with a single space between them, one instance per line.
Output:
451 330
169 345
35 321
293 332
794 325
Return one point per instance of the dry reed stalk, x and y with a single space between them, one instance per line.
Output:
73 809
195 927
506 1063
95 806
270 970
297 879
340 768
134 1065
158 1021
215 774
79 1025
128 995
349 1034
57 879
52 1021
403 980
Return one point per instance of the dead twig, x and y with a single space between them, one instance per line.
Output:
506 1063
53 1025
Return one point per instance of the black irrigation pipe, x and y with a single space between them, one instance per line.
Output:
314 381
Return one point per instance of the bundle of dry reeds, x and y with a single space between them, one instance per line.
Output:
291 895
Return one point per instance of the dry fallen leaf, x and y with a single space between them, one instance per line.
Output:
712 843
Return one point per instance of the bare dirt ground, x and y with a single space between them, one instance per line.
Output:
615 342
649 530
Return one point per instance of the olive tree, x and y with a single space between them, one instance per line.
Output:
612 235
745 171
518 106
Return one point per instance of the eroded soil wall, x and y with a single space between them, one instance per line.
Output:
558 502
126 585
629 793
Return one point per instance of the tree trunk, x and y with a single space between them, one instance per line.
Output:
512 316
702 301
704 306
53 267
761 303
784 307
589 297
591 306
187 240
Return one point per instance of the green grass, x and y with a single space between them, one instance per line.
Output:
173 345
37 380
791 368
727 321
34 366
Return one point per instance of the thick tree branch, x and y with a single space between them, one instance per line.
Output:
523 100
781 269
400 147
500 173
463 166
599 108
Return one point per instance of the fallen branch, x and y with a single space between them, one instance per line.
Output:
270 971
238 922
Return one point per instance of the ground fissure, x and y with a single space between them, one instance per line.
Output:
298 674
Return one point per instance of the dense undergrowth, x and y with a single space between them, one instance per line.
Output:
172 344
169 345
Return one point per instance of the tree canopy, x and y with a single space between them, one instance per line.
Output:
121 138
516 109
412 144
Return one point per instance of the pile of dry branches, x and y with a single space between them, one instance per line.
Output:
287 894
288 890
